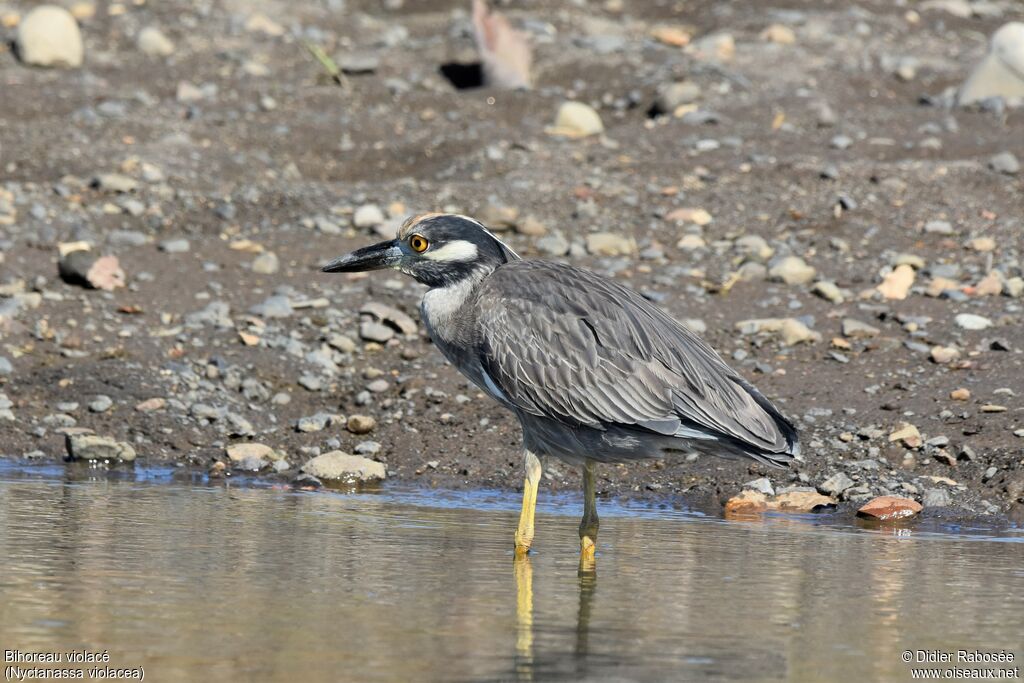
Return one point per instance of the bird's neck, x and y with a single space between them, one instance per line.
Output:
442 304
445 309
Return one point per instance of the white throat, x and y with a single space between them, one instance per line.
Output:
441 304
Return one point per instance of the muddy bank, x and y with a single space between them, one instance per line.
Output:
851 249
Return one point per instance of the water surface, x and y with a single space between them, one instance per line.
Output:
211 582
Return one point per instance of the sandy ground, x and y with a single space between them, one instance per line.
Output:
235 143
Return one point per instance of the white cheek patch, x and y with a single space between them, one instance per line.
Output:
457 250
484 228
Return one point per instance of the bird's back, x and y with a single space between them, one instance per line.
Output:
566 346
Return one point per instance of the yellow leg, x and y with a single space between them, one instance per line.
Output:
589 524
524 534
524 616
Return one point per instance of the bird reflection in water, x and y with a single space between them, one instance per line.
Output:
526 662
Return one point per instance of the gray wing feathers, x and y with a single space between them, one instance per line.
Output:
564 343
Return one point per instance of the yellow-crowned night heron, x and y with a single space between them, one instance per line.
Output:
594 372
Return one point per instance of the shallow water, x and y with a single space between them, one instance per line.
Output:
211 582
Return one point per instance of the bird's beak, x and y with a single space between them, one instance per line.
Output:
383 255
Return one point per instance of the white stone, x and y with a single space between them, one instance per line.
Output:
970 321
154 43
577 119
49 36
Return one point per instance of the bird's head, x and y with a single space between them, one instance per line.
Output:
438 249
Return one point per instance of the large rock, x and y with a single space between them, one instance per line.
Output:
1001 72
93 447
889 508
340 466
49 36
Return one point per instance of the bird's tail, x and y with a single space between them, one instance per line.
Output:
787 430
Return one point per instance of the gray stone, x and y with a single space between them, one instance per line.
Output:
6 368
265 264
128 238
93 447
203 411
1004 162
938 227
115 182
178 245
368 216
936 498
367 448
252 464
841 141
378 386
856 329
553 245
824 114
132 207
326 226
216 313
358 62
376 332
314 423
238 425
835 484
763 485
672 95
340 466
277 306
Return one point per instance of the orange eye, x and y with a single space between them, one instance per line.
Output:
418 243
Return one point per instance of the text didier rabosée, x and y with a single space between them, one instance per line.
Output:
962 656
